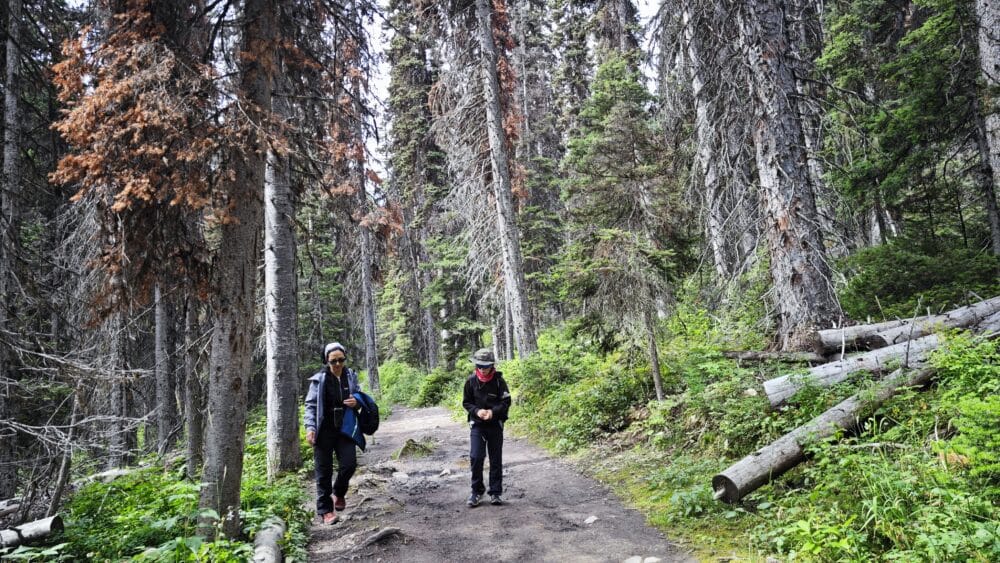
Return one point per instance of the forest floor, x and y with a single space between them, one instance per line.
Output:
412 506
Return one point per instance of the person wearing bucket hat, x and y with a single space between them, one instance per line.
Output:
330 394
487 399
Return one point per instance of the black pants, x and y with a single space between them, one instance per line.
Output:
487 438
329 443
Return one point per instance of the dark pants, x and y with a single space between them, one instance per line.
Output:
329 443
487 438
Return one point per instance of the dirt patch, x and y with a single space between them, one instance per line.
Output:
413 508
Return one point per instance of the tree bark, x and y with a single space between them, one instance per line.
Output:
706 152
118 434
193 402
771 461
8 235
29 532
802 287
509 238
654 354
281 315
986 177
989 64
67 461
235 281
166 406
364 231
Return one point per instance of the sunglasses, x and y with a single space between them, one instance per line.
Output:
338 360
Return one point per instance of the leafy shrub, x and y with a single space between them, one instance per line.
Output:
568 395
892 279
152 515
559 360
440 385
979 439
400 383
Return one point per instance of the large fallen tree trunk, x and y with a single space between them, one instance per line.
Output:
912 353
266 548
767 463
892 332
958 318
852 337
30 531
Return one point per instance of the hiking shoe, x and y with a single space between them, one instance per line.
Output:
473 500
495 500
329 517
339 503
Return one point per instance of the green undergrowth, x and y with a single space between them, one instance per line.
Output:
919 482
151 514
403 384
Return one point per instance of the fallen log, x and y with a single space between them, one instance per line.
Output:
788 357
851 337
266 548
913 353
30 531
958 318
8 509
769 462
891 332
104 476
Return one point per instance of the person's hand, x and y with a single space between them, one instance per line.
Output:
350 402
485 414
311 437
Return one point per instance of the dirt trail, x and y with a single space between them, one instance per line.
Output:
413 509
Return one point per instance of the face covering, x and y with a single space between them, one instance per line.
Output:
484 377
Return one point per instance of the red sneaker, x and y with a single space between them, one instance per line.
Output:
329 517
339 503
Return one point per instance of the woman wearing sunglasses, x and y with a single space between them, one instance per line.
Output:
329 395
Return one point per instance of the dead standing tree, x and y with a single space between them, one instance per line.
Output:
801 277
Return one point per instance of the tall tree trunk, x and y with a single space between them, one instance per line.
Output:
193 403
367 283
316 339
988 175
166 406
654 354
235 281
707 159
118 435
67 459
281 312
509 238
11 187
801 276
989 64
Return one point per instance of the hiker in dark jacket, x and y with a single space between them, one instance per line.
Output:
328 399
486 399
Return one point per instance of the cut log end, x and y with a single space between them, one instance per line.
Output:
724 489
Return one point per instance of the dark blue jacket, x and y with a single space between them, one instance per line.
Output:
314 398
352 420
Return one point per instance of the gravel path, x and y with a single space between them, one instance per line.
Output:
413 508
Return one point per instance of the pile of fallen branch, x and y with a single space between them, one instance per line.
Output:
906 343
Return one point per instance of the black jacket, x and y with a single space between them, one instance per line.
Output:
492 395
